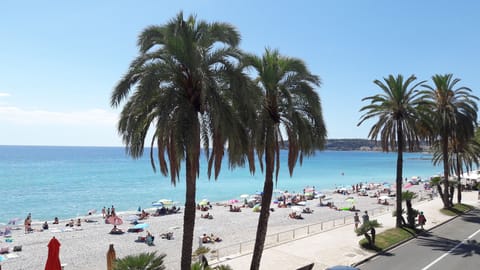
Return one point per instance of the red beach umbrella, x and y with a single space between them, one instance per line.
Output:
408 185
53 260
114 220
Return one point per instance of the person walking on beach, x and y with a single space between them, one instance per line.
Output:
104 212
365 217
356 219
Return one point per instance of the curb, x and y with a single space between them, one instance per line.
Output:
404 241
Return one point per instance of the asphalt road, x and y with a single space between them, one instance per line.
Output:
454 245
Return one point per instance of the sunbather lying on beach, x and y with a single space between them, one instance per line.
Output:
235 209
210 239
294 215
116 230
70 223
207 216
307 210
168 235
143 215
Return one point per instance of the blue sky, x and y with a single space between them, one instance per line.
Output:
59 60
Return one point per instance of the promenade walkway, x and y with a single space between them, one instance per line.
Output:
338 246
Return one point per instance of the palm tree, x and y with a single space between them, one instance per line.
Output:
463 154
368 230
453 111
142 261
188 93
408 196
290 105
398 118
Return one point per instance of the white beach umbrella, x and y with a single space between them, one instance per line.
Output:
244 196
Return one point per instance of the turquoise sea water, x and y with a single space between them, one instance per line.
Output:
68 181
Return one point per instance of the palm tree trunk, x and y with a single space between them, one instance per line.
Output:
445 198
373 233
189 215
459 191
459 179
410 216
266 200
399 182
369 239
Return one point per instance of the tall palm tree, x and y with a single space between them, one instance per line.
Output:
292 107
398 117
188 91
463 154
454 112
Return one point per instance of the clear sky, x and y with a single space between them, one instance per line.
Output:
59 60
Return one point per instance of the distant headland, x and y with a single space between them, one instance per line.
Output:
361 145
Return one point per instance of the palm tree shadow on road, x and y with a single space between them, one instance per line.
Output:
469 248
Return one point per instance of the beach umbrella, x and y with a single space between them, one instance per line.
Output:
141 226
115 220
157 204
111 257
53 259
243 196
383 197
232 201
166 201
203 202
408 185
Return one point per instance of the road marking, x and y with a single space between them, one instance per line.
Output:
450 251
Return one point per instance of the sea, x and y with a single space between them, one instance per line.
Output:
68 182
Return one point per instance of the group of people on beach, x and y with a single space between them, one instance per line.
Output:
108 212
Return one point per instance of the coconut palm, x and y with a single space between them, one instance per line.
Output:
187 92
142 261
398 118
453 112
290 108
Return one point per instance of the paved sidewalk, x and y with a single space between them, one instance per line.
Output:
338 246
